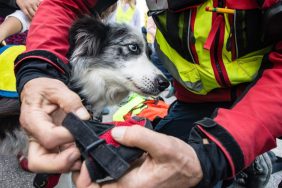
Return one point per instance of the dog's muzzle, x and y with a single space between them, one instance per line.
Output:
161 82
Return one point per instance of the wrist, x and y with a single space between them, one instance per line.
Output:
188 163
214 164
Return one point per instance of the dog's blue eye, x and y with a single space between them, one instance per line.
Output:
133 47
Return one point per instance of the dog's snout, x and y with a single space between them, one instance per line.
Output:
162 82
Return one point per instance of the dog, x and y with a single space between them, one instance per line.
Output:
108 62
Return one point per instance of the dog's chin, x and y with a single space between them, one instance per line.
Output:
145 91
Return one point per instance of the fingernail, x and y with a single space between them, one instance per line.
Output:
118 133
82 113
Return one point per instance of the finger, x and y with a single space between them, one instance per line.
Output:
66 146
69 102
40 160
35 6
82 178
48 134
31 12
136 136
76 166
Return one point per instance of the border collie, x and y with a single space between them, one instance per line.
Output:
108 61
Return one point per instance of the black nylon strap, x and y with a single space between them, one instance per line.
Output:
91 145
82 133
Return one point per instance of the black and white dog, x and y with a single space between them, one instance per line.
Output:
108 61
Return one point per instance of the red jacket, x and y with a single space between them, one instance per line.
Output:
254 122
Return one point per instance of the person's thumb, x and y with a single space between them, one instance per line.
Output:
140 137
69 102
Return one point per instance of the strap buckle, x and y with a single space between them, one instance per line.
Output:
94 145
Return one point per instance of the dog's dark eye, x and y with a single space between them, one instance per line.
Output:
133 48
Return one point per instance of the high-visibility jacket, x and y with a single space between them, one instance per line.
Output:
8 55
204 50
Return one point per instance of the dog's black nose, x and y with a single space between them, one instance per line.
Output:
162 82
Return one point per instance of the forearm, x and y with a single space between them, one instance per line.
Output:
14 23
52 34
251 127
47 42
255 121
48 34
9 27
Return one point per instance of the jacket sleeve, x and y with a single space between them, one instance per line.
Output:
47 39
252 125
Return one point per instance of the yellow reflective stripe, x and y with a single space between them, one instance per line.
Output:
7 76
123 110
124 17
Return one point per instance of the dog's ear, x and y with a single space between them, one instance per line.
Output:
88 33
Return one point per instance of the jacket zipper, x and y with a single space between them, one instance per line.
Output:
216 55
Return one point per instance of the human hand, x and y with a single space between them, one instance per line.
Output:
29 7
169 162
45 102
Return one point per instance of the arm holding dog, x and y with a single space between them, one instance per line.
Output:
262 122
42 75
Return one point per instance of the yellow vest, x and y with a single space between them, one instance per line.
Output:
8 54
124 17
200 77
